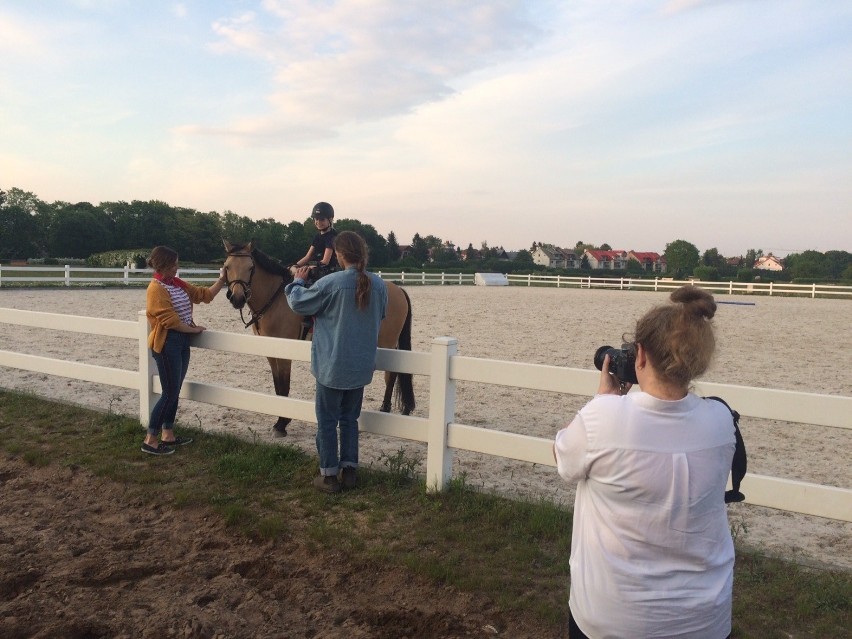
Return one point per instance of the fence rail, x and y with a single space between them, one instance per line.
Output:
70 275
439 430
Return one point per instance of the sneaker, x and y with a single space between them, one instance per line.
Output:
177 441
159 449
327 484
349 477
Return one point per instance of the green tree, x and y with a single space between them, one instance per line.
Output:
80 230
19 231
810 265
836 262
706 273
393 247
419 249
751 257
681 258
634 267
523 259
712 257
376 243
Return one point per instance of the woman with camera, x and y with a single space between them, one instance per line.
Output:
651 552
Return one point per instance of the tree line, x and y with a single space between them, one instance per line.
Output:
33 228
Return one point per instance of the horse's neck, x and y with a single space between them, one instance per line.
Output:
278 319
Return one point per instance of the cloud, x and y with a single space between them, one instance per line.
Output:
351 62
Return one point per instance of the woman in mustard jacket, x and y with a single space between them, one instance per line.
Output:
169 310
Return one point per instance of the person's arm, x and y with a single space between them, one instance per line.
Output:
307 257
304 301
326 257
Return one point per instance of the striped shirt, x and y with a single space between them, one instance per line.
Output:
180 302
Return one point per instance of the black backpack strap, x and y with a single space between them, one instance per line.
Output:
739 464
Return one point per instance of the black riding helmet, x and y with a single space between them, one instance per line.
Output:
323 211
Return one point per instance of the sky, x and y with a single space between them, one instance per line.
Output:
725 123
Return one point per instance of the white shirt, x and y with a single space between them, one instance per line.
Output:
651 552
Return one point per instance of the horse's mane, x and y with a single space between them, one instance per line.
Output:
266 262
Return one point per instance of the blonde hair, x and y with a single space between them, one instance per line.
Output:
161 258
353 249
678 337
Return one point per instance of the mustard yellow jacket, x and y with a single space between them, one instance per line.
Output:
161 314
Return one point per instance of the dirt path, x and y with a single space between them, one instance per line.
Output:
83 557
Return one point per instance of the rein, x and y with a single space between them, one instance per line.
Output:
255 315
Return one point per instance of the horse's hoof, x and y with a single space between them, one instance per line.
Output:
279 430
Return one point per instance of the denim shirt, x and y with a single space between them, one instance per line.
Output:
343 350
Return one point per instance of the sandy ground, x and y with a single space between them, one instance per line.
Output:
797 344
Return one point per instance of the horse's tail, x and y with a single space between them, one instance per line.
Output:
404 394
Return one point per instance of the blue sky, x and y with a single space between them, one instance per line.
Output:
725 123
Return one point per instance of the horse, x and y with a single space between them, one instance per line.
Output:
256 280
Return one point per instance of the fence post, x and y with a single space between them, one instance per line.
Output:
67 275
813 290
442 409
770 288
126 274
147 366
460 279
1 275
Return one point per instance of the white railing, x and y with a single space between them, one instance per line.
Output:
438 430
69 275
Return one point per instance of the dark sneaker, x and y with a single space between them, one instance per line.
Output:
327 484
349 477
159 449
177 441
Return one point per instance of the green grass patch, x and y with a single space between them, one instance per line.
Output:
514 551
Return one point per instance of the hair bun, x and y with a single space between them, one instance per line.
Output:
695 300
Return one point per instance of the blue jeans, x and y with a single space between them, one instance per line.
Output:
172 364
335 407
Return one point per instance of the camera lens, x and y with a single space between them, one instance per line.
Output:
600 354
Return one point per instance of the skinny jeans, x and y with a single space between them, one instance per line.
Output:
336 408
172 364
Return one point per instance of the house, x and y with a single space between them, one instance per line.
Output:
651 262
555 257
404 251
768 263
606 260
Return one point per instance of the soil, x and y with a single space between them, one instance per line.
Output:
86 558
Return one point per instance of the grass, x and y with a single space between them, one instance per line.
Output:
515 552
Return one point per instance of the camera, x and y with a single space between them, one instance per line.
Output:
622 362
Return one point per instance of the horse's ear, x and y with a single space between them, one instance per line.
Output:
228 245
250 246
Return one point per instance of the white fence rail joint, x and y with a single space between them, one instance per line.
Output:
439 430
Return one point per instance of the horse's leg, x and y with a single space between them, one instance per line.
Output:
390 379
405 388
281 380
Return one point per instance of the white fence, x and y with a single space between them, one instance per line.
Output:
69 275
438 430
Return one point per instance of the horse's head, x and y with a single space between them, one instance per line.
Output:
239 270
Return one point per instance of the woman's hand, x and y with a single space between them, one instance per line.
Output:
609 384
303 272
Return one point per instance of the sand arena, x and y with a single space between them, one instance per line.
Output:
796 344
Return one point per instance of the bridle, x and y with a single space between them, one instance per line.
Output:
246 286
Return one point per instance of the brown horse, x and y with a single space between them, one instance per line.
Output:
256 280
